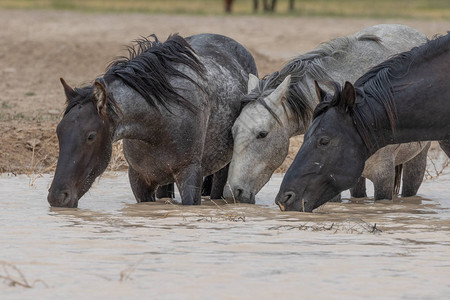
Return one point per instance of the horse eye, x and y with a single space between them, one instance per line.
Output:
262 135
324 141
91 136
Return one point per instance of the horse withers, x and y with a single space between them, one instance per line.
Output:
172 103
405 99
280 106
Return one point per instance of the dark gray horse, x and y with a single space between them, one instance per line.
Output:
172 103
404 99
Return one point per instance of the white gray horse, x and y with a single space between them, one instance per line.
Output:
280 106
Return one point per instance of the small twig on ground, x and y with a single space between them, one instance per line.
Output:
438 169
125 274
20 279
231 190
347 226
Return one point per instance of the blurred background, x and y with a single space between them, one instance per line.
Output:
426 9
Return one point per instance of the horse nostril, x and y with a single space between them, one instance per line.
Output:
59 199
288 198
239 192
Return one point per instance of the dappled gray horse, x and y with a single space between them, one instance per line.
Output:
172 103
281 104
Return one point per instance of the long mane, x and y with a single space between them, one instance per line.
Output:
378 84
151 64
309 64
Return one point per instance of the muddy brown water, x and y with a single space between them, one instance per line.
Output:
111 247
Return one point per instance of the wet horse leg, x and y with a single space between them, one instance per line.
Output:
413 172
165 191
359 190
384 180
336 198
189 183
142 190
219 181
207 185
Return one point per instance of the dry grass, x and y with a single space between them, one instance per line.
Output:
350 226
12 276
126 273
438 164
34 168
223 213
229 215
118 161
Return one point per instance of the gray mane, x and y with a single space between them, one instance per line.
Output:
311 63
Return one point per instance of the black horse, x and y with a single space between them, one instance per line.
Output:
172 103
404 99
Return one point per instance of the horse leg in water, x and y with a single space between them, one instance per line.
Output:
207 185
383 179
445 145
143 191
413 172
219 181
359 190
165 191
189 183
336 198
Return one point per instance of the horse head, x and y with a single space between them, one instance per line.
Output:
85 144
331 145
261 141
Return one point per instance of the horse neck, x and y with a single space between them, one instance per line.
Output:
421 112
137 118
423 103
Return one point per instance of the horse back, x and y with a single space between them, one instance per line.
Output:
224 50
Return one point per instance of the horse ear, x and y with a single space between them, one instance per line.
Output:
70 93
277 96
349 95
319 91
100 97
253 82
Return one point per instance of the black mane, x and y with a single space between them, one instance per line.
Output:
377 85
150 65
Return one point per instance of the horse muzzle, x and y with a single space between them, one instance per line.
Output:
288 201
238 194
62 198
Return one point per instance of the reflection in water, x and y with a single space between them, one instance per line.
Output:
115 248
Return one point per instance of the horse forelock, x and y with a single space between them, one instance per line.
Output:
359 116
331 100
260 96
151 64
297 96
86 95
